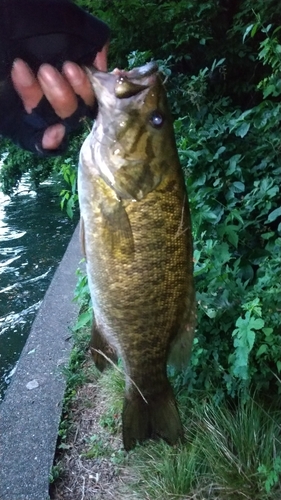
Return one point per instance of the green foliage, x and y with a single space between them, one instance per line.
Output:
55 473
97 448
270 54
16 163
75 377
183 29
244 339
272 474
69 197
82 297
82 291
234 190
112 386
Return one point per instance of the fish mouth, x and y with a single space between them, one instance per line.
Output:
143 71
127 82
123 84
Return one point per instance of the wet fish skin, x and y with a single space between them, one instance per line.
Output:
137 240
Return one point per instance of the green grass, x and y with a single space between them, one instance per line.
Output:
237 442
97 448
112 385
230 453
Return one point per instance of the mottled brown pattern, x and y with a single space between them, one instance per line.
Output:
139 262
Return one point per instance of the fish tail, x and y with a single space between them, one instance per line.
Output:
155 417
101 350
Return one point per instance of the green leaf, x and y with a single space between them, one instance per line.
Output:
220 61
211 312
273 215
210 216
254 29
269 90
267 236
262 349
267 331
238 187
244 339
83 320
224 254
232 235
219 152
267 28
247 31
233 161
251 339
242 130
256 323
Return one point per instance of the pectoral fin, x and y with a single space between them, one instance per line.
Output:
117 232
136 181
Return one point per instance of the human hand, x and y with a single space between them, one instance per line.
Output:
60 89
44 93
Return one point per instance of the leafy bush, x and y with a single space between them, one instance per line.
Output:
232 163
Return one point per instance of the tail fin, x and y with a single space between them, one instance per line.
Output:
156 417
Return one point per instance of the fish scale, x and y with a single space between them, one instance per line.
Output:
136 233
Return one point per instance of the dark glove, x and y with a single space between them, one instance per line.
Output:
43 31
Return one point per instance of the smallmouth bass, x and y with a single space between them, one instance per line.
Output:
136 233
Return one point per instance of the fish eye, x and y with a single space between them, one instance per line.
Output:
156 119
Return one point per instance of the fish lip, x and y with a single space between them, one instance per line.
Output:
142 71
130 83
139 73
125 88
123 84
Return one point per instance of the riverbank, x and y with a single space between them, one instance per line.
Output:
90 459
231 451
31 410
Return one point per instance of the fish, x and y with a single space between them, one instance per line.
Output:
137 240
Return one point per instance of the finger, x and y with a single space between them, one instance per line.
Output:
53 136
26 85
57 90
79 81
100 61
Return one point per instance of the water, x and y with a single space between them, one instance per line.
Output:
34 234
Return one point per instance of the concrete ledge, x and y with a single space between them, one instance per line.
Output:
30 413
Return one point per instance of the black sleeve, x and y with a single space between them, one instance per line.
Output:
43 31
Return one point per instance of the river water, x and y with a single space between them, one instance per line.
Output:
34 234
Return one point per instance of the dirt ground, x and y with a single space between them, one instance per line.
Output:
91 458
